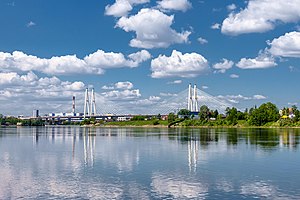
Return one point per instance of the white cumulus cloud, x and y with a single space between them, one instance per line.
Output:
153 29
287 45
259 97
202 40
122 95
151 100
105 87
216 26
164 94
12 78
234 76
261 16
32 92
124 85
179 65
175 82
260 62
231 7
105 60
223 66
122 7
140 56
177 5
94 63
30 24
237 98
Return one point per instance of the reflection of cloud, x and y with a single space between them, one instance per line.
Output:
261 189
104 191
173 185
135 191
44 175
122 155
225 186
21 182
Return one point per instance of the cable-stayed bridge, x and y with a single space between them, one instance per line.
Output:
165 106
191 99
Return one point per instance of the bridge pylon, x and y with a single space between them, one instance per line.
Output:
89 103
193 99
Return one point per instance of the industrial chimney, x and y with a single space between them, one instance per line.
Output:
73 105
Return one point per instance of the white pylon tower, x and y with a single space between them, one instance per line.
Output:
190 98
93 103
86 109
89 103
195 100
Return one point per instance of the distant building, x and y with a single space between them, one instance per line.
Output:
65 114
124 118
35 113
291 116
164 117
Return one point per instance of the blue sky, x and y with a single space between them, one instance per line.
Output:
141 52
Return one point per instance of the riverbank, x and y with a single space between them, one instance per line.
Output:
164 124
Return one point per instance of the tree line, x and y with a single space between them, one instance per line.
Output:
266 114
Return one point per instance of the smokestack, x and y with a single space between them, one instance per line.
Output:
73 105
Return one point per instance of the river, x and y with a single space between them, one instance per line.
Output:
149 163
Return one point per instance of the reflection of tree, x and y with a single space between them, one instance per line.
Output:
265 138
208 136
204 135
268 139
289 138
232 136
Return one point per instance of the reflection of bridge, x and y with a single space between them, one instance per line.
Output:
193 151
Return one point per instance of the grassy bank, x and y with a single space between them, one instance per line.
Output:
157 123
200 124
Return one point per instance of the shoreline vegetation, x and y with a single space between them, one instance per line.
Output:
265 116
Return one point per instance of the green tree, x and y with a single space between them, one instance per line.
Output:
294 108
138 118
267 112
171 117
158 116
215 114
241 115
232 116
184 112
296 113
204 112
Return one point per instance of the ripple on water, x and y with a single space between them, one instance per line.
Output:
178 187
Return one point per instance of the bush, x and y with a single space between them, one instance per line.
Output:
156 122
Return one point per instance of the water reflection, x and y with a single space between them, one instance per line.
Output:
175 186
89 143
193 148
125 163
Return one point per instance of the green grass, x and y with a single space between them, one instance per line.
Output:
138 123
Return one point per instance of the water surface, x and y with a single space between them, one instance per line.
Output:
139 163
